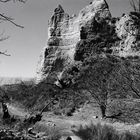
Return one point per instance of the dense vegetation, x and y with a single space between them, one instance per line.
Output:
113 83
106 79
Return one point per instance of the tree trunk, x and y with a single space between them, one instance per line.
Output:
6 114
103 111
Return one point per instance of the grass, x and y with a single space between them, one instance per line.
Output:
103 132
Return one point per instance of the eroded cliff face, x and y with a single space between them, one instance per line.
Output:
127 29
71 38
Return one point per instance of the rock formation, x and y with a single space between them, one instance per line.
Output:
127 29
94 30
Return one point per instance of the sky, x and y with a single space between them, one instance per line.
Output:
25 45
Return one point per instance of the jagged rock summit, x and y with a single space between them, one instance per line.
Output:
92 31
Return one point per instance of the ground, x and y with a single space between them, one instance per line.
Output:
51 123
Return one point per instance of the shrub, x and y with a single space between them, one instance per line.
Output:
103 132
94 132
129 109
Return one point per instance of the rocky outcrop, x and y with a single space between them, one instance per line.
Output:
127 29
65 32
93 31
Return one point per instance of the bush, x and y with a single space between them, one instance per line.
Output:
98 131
129 108
103 132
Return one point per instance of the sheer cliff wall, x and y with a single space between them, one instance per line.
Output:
64 32
70 37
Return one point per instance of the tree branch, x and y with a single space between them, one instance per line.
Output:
5 53
4 1
132 3
132 87
10 20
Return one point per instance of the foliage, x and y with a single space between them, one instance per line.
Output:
36 97
103 132
95 77
106 78
129 108
129 76
103 79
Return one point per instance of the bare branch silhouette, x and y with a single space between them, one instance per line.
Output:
4 18
135 4
4 1
10 20
5 53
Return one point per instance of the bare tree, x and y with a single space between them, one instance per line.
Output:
5 18
95 77
135 4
